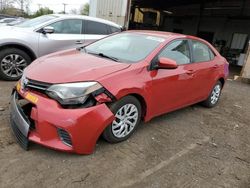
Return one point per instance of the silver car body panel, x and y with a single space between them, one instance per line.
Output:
42 44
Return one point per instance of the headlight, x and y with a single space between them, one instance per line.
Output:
72 93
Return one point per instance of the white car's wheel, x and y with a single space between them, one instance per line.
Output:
12 63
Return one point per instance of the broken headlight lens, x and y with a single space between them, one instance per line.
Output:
72 93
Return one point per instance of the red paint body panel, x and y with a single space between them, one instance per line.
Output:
72 66
84 125
162 90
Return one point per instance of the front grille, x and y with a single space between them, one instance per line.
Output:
21 139
37 85
65 137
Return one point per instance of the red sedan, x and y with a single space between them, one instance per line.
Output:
68 99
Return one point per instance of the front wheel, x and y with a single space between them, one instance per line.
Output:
214 96
12 63
127 113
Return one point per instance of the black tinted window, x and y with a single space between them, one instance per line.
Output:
68 27
201 52
178 51
96 28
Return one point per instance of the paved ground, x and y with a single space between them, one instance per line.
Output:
192 147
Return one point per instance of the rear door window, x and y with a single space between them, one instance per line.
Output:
96 28
201 52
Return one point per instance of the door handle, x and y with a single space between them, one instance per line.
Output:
215 66
190 72
78 42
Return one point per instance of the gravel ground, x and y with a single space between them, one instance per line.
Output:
192 147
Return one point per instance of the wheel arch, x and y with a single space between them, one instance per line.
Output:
222 80
25 48
142 101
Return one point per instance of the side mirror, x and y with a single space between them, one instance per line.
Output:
48 30
166 63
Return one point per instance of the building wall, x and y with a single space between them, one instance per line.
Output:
112 10
246 68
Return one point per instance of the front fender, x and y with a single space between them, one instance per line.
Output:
130 82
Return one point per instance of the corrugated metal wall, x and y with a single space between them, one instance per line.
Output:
113 10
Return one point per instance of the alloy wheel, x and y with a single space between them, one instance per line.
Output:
215 94
125 122
13 65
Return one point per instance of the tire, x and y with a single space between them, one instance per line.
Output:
214 96
112 132
12 63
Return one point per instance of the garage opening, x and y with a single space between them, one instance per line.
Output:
224 23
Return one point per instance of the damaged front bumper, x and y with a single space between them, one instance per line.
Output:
45 122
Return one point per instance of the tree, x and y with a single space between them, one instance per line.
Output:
12 11
23 4
4 4
8 7
43 11
84 10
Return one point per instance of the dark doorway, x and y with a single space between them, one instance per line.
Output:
208 36
178 31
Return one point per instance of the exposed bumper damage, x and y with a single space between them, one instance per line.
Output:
37 118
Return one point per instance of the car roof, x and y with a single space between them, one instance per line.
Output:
164 34
87 18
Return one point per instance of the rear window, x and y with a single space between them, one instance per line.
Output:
96 28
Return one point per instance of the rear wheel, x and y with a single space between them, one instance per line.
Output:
214 96
127 117
12 63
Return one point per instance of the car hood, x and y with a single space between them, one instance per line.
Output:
71 66
13 32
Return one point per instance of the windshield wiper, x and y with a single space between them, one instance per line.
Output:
105 56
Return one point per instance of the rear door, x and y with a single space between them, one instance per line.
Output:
95 31
205 68
68 34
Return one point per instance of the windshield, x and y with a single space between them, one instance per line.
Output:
36 21
129 47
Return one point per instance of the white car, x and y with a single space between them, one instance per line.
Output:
24 42
5 21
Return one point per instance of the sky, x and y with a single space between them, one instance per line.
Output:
57 5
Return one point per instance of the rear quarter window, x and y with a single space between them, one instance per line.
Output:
114 29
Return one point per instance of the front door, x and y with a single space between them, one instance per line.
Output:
67 34
173 88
